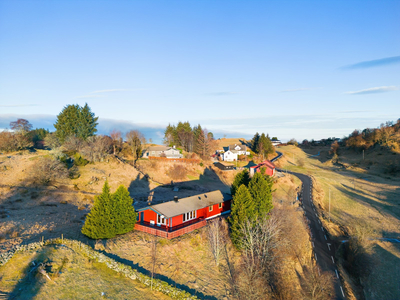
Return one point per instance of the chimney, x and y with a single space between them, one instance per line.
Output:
176 198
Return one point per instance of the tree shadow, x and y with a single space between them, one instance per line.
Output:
361 197
139 190
167 279
29 286
386 286
246 143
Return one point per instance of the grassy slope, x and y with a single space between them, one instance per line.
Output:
359 202
79 278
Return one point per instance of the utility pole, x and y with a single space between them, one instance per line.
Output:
329 205
363 154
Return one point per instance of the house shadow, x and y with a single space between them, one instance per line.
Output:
208 181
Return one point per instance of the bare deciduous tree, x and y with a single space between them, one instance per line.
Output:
97 148
21 126
316 285
136 141
52 141
116 137
72 144
47 170
153 256
217 234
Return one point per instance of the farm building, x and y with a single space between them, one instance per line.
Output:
179 216
269 168
224 167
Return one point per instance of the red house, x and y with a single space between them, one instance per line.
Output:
180 216
269 168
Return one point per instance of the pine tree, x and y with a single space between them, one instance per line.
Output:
75 121
100 221
242 209
260 188
240 178
111 214
125 215
254 143
265 146
87 122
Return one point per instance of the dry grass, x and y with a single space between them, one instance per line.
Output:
73 277
225 142
360 198
185 261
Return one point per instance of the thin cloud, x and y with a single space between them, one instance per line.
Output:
374 90
114 90
222 94
19 105
373 63
89 96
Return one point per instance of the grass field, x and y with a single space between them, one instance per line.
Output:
73 276
362 203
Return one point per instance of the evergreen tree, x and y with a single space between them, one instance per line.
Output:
87 123
75 121
265 146
254 143
240 178
260 188
111 214
100 221
242 209
125 215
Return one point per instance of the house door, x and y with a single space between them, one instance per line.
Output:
141 217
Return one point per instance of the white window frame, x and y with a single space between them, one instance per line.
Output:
210 208
191 215
161 220
220 205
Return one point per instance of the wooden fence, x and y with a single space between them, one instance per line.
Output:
170 235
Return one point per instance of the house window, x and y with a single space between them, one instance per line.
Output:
152 152
189 216
219 205
160 220
210 208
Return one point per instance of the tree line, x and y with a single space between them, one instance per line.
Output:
191 139
76 128
386 135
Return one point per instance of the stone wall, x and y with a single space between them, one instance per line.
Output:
87 251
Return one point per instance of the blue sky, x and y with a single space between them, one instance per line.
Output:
302 69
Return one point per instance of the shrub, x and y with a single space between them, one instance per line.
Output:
177 172
79 160
47 170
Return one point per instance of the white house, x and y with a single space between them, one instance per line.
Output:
229 156
162 151
276 142
239 149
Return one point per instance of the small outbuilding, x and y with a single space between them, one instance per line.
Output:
267 165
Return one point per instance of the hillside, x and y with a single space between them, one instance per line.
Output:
31 213
364 205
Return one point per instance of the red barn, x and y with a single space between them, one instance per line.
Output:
269 168
180 216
